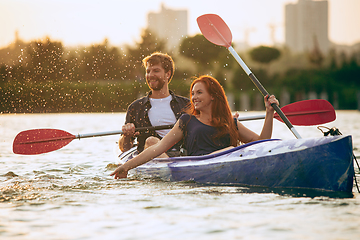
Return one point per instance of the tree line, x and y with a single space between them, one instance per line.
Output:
44 76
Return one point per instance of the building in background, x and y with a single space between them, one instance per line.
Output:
307 26
170 25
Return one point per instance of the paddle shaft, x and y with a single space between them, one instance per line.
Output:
263 91
161 127
140 129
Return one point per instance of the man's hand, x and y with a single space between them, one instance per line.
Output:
126 140
128 130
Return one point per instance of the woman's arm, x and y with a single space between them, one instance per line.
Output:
170 139
269 117
246 135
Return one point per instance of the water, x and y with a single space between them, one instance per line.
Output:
68 194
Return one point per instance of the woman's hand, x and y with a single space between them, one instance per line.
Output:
120 172
268 101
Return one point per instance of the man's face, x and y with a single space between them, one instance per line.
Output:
156 77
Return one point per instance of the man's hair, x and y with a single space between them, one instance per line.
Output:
165 60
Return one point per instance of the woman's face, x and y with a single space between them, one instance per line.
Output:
200 97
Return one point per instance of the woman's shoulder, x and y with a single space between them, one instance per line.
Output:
184 120
185 117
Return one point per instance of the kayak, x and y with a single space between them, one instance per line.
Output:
324 163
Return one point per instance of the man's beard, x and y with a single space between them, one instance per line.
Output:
160 84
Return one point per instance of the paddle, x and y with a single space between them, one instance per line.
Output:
307 112
37 141
216 31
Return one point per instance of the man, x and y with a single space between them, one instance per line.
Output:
160 107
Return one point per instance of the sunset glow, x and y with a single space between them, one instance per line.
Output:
86 22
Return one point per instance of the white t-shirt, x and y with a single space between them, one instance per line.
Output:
160 113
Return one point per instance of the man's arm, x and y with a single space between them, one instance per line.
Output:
126 140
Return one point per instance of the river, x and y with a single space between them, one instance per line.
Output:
68 193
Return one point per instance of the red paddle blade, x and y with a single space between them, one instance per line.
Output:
308 112
38 141
215 29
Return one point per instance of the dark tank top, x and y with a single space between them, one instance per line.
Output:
198 137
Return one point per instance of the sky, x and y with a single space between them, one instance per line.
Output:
86 22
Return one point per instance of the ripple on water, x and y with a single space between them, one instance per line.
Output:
68 194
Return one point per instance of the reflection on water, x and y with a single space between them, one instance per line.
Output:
312 193
68 194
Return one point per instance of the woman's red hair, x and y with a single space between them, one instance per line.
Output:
220 110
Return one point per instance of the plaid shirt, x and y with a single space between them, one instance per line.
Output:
137 113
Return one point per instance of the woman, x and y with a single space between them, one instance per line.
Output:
209 126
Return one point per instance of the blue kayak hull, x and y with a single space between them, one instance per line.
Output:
321 163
